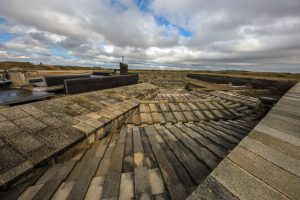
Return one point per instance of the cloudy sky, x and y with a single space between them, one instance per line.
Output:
198 34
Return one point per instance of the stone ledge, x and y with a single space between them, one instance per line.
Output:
91 122
93 130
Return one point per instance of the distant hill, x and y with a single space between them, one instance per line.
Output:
30 66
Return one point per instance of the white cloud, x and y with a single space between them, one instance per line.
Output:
241 33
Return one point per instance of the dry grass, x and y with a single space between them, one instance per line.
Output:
30 66
265 75
145 75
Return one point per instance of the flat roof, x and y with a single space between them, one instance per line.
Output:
17 96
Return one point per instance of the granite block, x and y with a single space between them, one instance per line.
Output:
13 113
30 124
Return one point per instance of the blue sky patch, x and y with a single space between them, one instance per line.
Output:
2 20
143 5
58 51
5 36
164 22
119 5
184 32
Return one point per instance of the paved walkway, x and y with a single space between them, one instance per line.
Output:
266 163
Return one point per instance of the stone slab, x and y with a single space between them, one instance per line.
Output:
32 110
282 130
13 113
30 124
8 128
285 147
243 184
211 190
126 186
63 191
278 158
23 142
142 183
15 172
156 181
278 178
9 159
95 189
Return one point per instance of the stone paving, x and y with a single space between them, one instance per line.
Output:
154 161
35 132
166 147
171 145
150 112
266 163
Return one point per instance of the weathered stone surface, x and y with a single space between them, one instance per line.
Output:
30 124
96 188
9 159
32 110
15 172
50 187
111 185
211 190
57 138
265 164
41 154
7 128
156 181
278 178
127 186
276 143
38 131
63 191
287 135
278 158
177 192
30 192
51 121
2 118
243 184
2 143
142 183
13 113
23 142
84 127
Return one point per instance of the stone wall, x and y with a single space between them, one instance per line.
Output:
18 78
278 86
74 86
